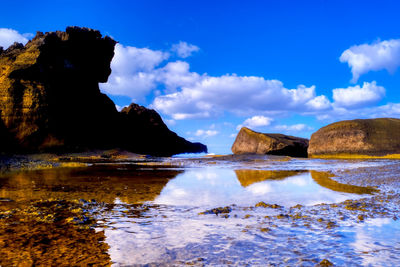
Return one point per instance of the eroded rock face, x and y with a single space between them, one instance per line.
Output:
372 137
251 142
50 97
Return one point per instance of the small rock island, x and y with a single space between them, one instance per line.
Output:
50 100
251 142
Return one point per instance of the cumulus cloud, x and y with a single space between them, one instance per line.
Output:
356 96
293 128
319 103
182 94
205 133
133 72
9 36
184 50
242 95
136 72
255 122
372 57
176 74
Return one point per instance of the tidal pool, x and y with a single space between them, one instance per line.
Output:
252 212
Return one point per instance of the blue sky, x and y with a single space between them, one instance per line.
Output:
209 67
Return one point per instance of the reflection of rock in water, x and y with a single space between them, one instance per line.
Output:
102 183
248 177
324 179
42 223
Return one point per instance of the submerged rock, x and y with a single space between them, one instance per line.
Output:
50 99
369 137
251 142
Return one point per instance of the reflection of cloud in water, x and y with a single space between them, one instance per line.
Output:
260 189
139 241
375 240
219 186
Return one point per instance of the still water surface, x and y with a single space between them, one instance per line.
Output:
161 215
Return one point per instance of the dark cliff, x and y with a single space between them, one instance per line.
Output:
50 100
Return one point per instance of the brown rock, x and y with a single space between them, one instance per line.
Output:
249 177
370 137
50 99
251 142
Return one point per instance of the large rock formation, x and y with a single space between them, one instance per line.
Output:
140 124
369 137
251 142
50 99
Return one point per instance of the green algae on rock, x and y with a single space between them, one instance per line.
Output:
50 233
357 139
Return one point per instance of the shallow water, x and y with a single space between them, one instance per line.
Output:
253 211
214 186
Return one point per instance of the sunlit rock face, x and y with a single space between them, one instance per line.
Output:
371 137
50 97
251 142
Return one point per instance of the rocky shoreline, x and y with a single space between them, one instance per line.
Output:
78 208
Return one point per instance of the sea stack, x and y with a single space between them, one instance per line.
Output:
50 100
251 142
357 138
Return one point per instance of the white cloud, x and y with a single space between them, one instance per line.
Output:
293 128
182 94
319 103
372 57
176 74
356 96
133 71
210 96
255 122
184 50
206 133
9 36
136 72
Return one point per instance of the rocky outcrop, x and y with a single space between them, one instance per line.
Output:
369 137
50 99
251 142
140 123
